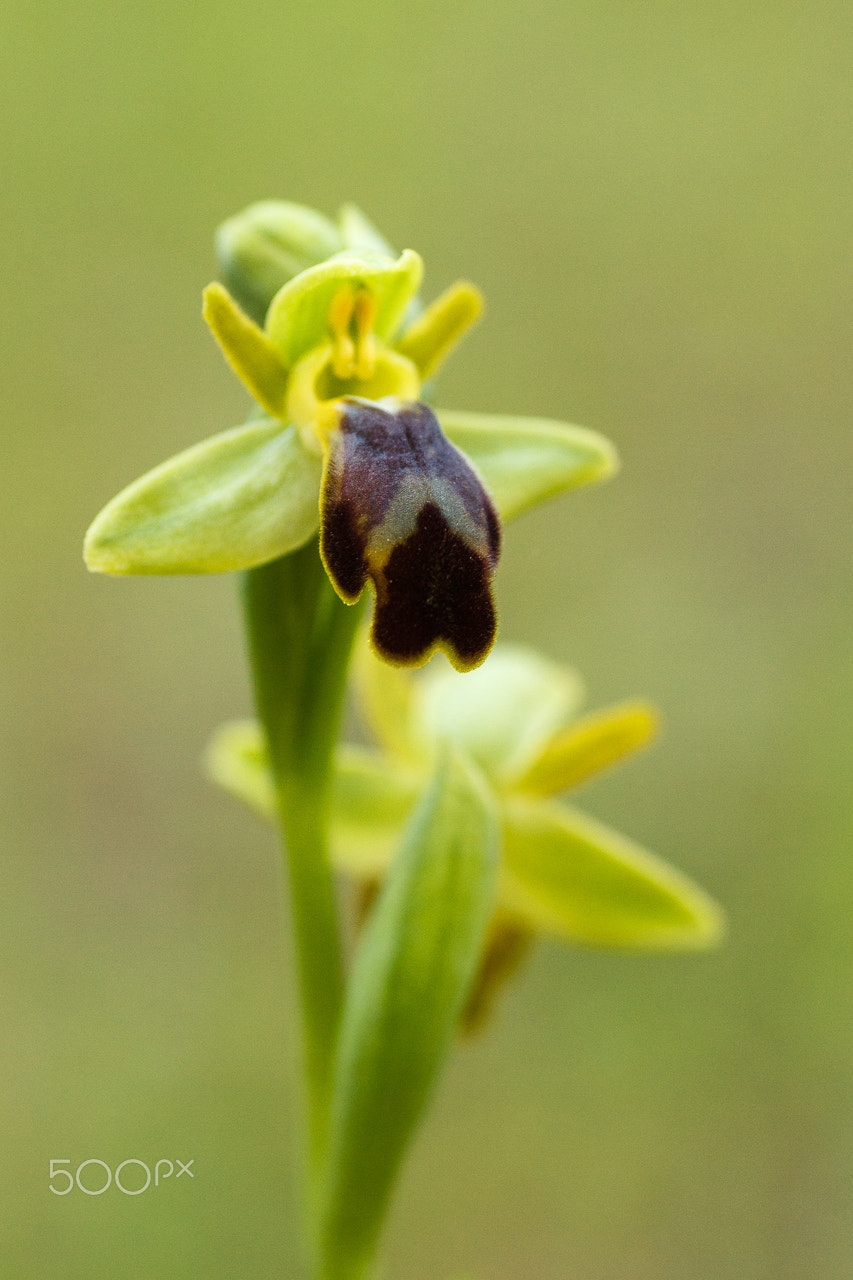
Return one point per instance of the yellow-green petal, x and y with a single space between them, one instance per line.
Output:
502 714
247 349
430 339
372 797
297 319
569 875
589 745
360 236
523 461
234 501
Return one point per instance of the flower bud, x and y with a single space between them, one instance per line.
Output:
266 245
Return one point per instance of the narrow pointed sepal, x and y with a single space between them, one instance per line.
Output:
401 506
247 349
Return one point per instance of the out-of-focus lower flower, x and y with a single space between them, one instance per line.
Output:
563 873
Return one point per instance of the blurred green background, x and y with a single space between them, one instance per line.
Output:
656 200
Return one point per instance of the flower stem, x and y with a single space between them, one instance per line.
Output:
300 636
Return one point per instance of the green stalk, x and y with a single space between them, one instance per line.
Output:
300 637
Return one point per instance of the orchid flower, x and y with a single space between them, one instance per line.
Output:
342 441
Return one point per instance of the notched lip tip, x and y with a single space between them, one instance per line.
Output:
416 664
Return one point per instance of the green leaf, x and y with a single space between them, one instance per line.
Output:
298 316
502 713
264 246
523 461
569 875
588 746
234 501
372 797
412 971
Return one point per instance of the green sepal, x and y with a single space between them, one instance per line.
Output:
297 318
523 461
566 874
234 501
412 971
501 714
269 243
358 234
589 745
371 796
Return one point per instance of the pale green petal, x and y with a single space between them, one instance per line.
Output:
430 339
297 318
234 501
412 971
372 797
502 713
588 746
523 461
566 874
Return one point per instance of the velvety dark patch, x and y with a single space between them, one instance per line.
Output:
342 548
435 590
379 448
